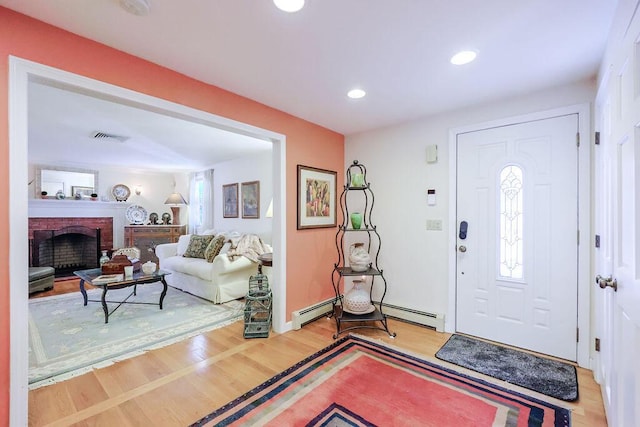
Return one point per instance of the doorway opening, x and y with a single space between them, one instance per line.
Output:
22 73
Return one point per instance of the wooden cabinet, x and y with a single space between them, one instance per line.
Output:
147 237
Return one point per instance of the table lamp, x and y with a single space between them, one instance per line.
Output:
175 200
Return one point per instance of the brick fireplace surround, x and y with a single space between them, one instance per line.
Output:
105 224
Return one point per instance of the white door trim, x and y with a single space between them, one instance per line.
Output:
584 218
20 72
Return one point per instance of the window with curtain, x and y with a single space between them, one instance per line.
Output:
201 201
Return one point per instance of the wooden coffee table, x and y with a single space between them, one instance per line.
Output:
139 278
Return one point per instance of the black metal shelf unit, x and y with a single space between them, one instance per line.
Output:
358 188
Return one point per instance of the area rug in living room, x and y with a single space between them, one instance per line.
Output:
547 376
67 338
361 382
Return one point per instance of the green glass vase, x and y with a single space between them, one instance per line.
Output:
357 180
356 220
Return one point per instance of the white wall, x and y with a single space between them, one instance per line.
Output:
255 168
156 186
414 260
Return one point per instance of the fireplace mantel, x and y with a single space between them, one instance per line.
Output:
52 208
73 203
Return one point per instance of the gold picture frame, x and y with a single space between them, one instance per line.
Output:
230 200
251 199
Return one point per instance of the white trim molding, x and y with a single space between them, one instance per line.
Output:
21 72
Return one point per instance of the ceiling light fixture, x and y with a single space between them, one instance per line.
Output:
289 5
463 57
356 93
135 7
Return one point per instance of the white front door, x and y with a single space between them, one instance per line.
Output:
517 263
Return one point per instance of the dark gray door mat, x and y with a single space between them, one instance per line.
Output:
546 376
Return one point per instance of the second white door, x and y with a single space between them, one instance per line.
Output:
517 260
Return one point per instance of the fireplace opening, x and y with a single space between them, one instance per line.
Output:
67 249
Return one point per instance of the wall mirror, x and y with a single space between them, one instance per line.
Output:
74 183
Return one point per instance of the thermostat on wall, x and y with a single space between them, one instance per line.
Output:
432 153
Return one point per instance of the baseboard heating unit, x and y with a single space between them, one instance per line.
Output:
309 314
435 321
431 320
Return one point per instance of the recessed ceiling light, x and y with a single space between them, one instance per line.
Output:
136 7
463 57
356 93
289 5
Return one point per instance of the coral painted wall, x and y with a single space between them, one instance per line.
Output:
310 253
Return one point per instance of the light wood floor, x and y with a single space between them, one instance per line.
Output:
61 286
179 384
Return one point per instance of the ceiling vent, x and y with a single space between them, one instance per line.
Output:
103 136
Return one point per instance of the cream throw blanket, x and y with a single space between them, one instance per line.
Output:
248 245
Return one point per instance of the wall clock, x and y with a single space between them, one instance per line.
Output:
120 192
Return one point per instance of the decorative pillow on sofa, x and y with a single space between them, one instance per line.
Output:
183 244
214 248
197 246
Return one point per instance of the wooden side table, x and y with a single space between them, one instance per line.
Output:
266 260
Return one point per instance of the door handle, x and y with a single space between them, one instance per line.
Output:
603 282
462 248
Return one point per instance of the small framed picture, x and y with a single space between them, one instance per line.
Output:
81 192
251 199
316 198
230 200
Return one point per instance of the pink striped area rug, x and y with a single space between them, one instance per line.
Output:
360 382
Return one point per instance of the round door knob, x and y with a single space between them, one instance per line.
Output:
462 248
605 282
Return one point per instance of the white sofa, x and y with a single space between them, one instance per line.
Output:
219 281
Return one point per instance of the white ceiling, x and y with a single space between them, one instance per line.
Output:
396 50
62 125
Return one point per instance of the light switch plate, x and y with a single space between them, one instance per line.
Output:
434 225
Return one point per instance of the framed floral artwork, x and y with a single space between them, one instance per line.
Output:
316 197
